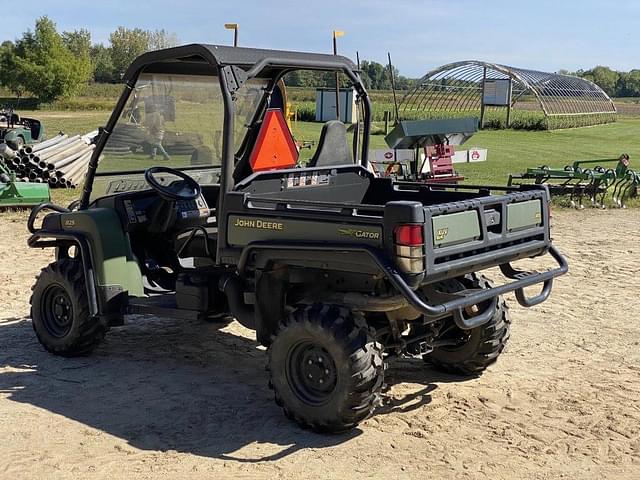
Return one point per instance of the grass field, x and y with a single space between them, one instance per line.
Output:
509 150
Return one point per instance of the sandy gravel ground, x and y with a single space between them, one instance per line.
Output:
163 398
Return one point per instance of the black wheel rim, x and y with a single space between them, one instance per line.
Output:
311 373
56 311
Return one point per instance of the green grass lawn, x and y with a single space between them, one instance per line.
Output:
510 151
513 151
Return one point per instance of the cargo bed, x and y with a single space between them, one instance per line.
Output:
466 228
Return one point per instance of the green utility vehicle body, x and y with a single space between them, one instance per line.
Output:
307 256
17 131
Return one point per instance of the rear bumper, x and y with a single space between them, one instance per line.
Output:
453 305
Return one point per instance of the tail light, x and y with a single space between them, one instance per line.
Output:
409 243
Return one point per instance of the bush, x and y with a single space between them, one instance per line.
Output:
305 111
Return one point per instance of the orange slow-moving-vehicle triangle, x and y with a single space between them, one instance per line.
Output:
274 148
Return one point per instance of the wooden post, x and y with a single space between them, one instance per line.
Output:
335 52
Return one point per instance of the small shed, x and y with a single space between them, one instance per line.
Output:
326 105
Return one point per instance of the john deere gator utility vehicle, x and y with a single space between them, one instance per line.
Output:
335 270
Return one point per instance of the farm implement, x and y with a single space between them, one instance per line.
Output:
428 148
578 180
15 194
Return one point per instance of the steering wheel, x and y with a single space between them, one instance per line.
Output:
186 189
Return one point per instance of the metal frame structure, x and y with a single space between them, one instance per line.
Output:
233 66
459 87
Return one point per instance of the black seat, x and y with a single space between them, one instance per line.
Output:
333 148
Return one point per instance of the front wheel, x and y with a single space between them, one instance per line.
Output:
60 311
470 352
325 368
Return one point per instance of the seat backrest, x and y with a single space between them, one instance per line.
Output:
333 148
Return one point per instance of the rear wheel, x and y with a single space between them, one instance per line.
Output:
325 368
470 352
60 311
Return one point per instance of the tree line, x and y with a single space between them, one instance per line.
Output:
375 76
48 65
614 83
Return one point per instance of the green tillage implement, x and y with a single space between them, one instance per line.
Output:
576 181
626 186
20 194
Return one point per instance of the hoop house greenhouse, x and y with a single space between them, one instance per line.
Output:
508 97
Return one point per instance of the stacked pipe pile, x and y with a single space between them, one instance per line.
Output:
60 161
127 138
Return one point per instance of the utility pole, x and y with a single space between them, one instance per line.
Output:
235 27
336 34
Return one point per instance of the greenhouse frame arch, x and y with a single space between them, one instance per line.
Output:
503 96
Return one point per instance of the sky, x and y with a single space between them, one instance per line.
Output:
420 35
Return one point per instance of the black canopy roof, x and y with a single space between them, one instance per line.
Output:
199 58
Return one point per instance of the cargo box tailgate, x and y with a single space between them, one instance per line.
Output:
480 233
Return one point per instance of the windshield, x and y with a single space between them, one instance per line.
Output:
173 119
176 121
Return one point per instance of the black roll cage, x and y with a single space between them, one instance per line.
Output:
228 62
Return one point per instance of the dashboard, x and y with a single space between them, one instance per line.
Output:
146 211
